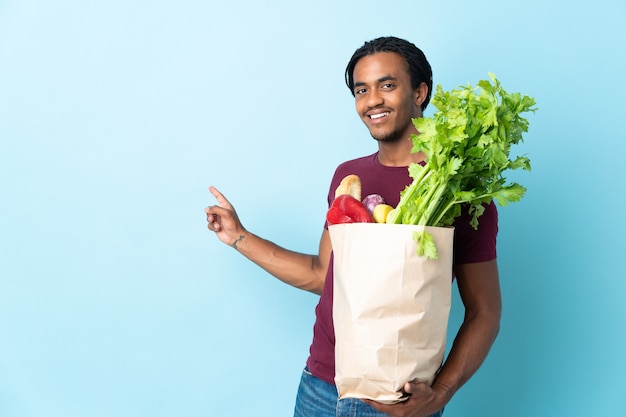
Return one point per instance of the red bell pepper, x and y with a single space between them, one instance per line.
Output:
347 209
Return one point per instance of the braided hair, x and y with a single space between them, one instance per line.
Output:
419 68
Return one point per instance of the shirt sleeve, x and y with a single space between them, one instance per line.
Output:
476 245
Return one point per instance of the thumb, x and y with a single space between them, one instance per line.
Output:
413 387
408 388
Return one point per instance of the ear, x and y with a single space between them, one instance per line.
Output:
420 94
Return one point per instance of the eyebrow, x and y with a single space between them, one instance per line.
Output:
380 80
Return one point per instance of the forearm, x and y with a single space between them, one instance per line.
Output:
479 288
300 270
469 350
307 272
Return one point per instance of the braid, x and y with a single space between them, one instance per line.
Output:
419 68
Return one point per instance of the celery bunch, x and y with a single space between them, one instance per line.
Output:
467 144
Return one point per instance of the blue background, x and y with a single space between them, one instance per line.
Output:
116 116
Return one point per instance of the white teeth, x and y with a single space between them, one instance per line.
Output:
378 116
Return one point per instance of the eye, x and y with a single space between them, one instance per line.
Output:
358 91
387 86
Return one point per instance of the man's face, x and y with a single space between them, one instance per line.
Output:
384 97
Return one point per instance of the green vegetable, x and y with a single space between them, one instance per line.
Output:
467 144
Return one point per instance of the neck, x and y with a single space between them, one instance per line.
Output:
398 154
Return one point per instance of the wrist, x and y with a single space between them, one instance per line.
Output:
443 390
241 239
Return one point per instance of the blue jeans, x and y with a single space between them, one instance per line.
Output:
317 398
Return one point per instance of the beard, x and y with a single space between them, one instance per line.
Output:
391 136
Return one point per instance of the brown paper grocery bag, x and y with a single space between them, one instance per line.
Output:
390 308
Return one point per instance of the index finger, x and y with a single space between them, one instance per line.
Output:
221 200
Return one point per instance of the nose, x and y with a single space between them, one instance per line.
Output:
374 98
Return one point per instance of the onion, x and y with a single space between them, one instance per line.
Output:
372 201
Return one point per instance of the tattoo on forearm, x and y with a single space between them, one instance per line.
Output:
236 242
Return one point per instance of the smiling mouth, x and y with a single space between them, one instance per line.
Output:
378 115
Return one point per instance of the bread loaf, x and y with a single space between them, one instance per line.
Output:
351 184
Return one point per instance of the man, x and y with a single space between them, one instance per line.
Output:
391 81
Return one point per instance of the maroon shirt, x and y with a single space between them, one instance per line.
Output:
469 246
